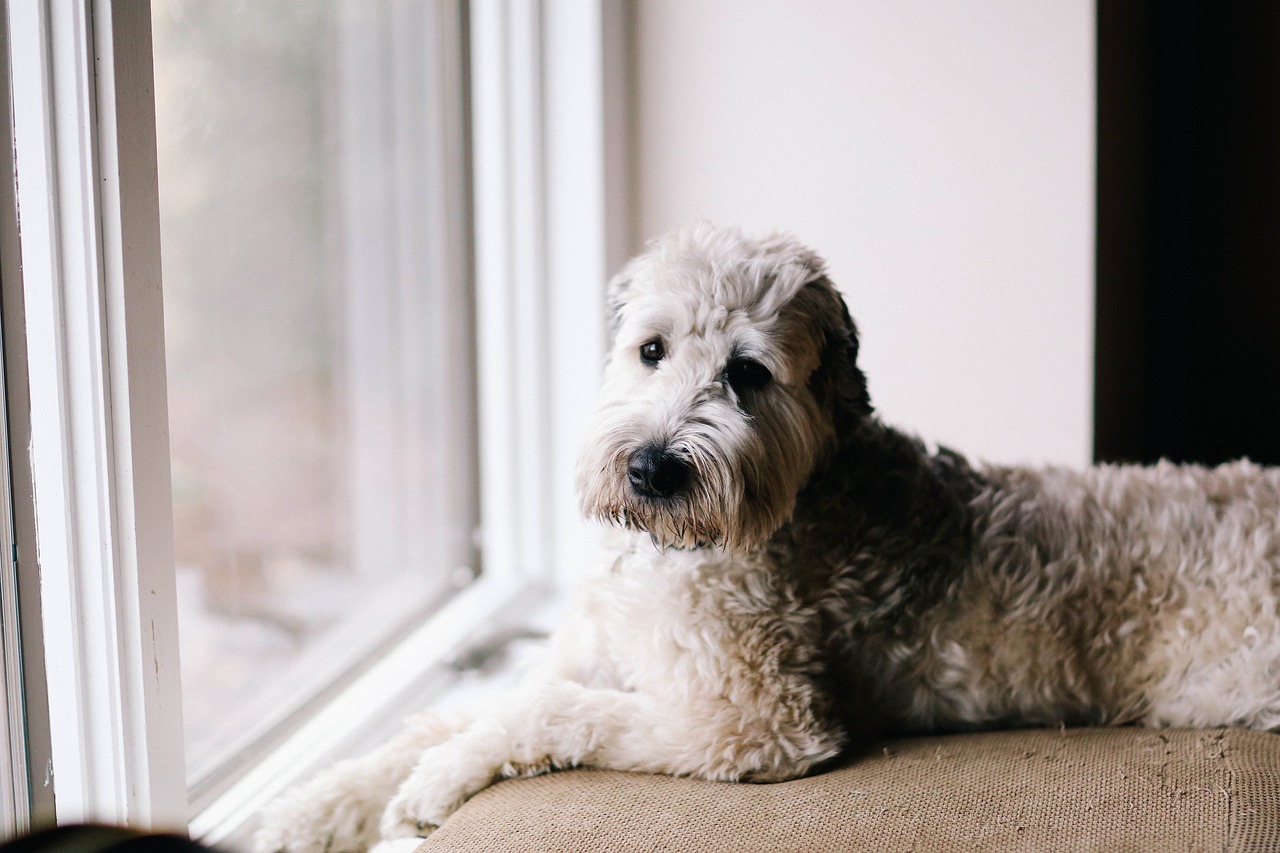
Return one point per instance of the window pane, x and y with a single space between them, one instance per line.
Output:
317 342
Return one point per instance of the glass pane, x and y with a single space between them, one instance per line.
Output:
317 355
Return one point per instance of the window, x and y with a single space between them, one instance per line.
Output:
93 500
314 222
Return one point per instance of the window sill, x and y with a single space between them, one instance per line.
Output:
474 648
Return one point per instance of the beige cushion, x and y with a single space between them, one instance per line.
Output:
1072 789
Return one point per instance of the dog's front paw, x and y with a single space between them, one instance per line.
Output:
336 812
445 778
318 819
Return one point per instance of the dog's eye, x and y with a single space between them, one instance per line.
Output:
745 374
653 351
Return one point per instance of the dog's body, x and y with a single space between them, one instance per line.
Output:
792 575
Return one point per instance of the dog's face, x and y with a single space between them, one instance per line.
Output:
731 364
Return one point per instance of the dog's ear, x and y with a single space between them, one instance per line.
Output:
837 381
616 298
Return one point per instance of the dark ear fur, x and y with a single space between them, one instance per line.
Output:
838 381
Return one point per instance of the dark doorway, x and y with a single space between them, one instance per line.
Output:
1188 242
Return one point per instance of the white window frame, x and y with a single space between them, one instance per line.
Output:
92 503
84 141
15 799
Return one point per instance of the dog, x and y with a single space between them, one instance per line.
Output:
788 576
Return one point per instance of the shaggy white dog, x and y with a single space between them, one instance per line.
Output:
792 575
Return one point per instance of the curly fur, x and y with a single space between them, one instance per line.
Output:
814 576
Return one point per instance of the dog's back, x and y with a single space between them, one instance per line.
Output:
1106 595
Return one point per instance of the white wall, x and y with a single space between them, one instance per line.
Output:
939 154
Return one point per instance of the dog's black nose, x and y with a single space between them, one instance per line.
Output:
654 472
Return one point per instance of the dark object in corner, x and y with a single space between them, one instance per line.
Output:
1188 257
88 838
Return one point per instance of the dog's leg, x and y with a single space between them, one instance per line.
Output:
338 810
564 724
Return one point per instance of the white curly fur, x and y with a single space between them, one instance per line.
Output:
805 575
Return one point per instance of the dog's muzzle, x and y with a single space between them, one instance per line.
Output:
655 472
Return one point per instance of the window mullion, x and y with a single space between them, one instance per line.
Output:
129 219
550 174
584 122
505 57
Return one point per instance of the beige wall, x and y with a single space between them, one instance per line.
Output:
939 154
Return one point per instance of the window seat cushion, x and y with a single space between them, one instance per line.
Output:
1106 789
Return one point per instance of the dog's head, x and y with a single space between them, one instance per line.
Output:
732 372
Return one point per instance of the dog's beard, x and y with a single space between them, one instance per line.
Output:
683 523
670 528
718 509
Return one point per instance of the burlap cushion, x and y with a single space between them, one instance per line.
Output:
1073 789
